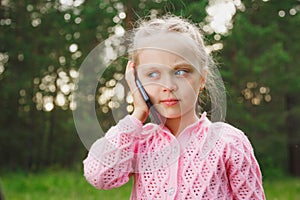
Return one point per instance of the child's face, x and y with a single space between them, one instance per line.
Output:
171 82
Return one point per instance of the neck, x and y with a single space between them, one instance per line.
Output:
177 125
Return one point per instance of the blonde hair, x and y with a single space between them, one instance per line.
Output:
175 24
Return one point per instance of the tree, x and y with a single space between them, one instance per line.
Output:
259 57
43 43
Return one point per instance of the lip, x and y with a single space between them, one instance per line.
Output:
170 102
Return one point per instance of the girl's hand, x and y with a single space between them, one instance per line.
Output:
141 110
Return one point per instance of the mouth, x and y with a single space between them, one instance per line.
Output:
170 102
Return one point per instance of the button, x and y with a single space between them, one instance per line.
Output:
171 191
174 150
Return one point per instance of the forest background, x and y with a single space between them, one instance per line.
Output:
43 43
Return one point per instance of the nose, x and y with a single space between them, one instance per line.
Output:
169 85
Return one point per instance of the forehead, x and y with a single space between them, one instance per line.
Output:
158 56
162 46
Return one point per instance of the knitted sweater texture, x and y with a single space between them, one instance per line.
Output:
206 161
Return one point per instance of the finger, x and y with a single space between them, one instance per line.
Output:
129 67
130 75
130 78
141 110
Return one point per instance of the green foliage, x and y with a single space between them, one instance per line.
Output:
259 64
260 53
35 38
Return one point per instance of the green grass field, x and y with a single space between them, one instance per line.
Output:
71 185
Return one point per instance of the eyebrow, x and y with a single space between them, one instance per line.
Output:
150 66
155 66
182 62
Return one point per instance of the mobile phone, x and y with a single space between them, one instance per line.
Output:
146 98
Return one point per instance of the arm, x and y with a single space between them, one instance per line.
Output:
243 170
110 159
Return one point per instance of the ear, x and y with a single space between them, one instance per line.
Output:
203 79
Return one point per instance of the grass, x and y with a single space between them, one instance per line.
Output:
56 185
71 185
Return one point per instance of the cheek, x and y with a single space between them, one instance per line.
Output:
196 84
189 94
190 85
152 90
190 91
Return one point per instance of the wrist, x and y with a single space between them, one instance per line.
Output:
140 114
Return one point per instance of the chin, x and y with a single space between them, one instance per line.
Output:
171 115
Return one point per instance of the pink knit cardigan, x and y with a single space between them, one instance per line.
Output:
206 161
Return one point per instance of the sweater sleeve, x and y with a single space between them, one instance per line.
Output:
243 171
110 160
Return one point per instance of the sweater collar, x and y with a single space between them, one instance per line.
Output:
194 127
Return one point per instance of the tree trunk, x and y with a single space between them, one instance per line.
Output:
292 123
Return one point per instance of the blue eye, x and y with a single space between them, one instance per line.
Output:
153 74
181 72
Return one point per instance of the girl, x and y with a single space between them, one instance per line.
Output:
184 156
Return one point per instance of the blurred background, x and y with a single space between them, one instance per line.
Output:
43 43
